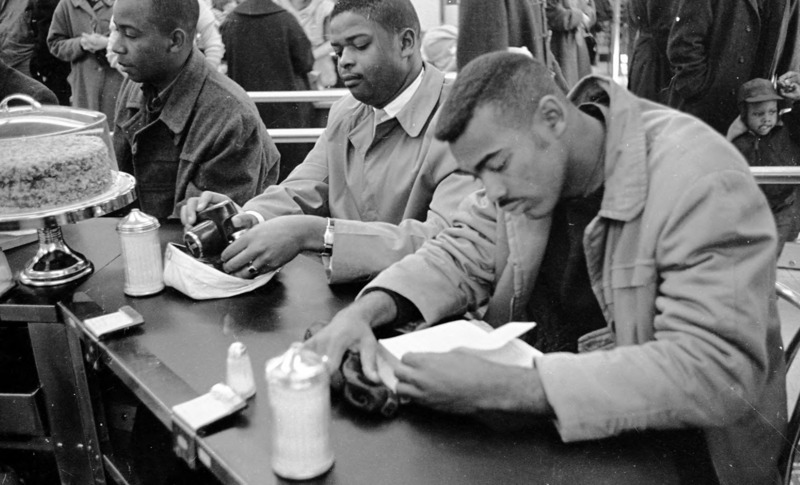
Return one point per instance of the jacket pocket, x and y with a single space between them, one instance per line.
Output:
641 273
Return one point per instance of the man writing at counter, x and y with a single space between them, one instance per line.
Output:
376 184
632 234
181 127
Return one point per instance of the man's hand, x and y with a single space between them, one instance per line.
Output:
271 244
789 85
93 42
195 204
351 328
460 382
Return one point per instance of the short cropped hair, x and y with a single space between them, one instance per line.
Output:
513 83
168 15
392 15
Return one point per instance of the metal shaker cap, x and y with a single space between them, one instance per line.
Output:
296 368
137 221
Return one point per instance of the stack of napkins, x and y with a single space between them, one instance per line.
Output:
499 345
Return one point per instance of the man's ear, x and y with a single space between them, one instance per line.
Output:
177 40
409 41
553 113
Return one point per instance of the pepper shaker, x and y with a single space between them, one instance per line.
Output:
141 253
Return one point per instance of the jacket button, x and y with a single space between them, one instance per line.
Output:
741 59
748 29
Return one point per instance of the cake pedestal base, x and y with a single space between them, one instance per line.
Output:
55 262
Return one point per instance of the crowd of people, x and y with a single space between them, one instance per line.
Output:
620 220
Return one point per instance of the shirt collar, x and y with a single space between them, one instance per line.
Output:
398 103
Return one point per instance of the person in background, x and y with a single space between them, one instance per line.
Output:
570 22
79 35
499 25
377 184
14 82
267 50
649 73
209 39
716 45
635 238
16 39
45 67
314 17
439 47
767 138
181 126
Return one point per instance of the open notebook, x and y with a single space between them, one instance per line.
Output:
499 345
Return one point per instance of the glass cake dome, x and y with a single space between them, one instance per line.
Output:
23 117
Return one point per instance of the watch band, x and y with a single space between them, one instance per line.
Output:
327 239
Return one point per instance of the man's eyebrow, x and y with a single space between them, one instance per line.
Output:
351 38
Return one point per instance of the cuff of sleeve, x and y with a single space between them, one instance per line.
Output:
257 215
405 311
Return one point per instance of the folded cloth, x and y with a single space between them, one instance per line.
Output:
202 281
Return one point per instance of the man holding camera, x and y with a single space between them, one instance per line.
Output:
377 184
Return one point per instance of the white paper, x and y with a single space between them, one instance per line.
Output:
499 345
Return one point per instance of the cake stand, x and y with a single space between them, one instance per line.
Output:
55 262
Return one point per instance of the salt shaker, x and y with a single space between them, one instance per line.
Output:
299 402
141 253
240 371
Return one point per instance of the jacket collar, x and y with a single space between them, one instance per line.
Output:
258 7
415 114
626 147
83 3
183 94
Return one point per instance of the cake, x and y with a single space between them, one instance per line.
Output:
52 171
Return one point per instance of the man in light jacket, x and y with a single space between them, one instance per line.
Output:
377 184
633 235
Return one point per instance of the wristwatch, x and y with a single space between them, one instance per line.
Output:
327 239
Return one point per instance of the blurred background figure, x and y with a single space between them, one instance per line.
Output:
45 67
79 34
716 45
439 47
570 22
267 50
221 9
209 39
314 17
494 25
649 72
16 38
14 82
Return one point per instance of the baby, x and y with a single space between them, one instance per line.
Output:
768 138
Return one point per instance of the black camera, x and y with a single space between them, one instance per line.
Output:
213 232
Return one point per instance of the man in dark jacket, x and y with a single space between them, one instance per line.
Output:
182 127
650 73
267 50
716 45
